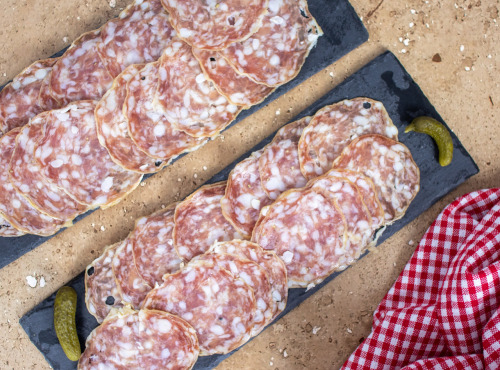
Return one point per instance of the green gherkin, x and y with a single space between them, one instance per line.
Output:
438 132
64 322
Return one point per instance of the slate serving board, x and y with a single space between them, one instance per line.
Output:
383 79
343 32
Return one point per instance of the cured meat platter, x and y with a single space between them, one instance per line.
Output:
384 79
343 32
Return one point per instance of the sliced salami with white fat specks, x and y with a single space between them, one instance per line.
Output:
244 196
358 219
101 291
272 264
26 176
335 126
80 73
275 54
132 287
19 99
112 127
138 35
255 276
214 25
14 208
187 98
145 339
220 307
237 88
70 155
7 230
367 191
151 131
279 167
153 246
199 222
307 230
390 165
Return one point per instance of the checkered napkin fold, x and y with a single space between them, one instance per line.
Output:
443 312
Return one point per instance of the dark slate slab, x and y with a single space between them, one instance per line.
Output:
343 32
383 79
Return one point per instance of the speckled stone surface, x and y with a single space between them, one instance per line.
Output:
451 49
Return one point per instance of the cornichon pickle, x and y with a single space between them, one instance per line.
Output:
438 132
64 322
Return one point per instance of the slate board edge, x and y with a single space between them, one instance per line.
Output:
27 243
297 296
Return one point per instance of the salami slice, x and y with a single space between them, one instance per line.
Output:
238 89
185 96
25 175
153 246
255 277
70 155
101 292
279 166
138 35
7 230
244 196
14 208
145 339
390 166
148 127
199 222
367 191
358 220
212 25
335 126
19 99
220 307
80 73
112 127
307 230
275 54
268 260
132 287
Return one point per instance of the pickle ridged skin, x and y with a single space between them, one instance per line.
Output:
440 134
65 324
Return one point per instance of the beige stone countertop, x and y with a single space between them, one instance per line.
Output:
451 49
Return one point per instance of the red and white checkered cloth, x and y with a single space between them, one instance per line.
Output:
443 312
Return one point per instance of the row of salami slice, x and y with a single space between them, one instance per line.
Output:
319 193
138 117
127 271
257 47
227 294
245 50
300 236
